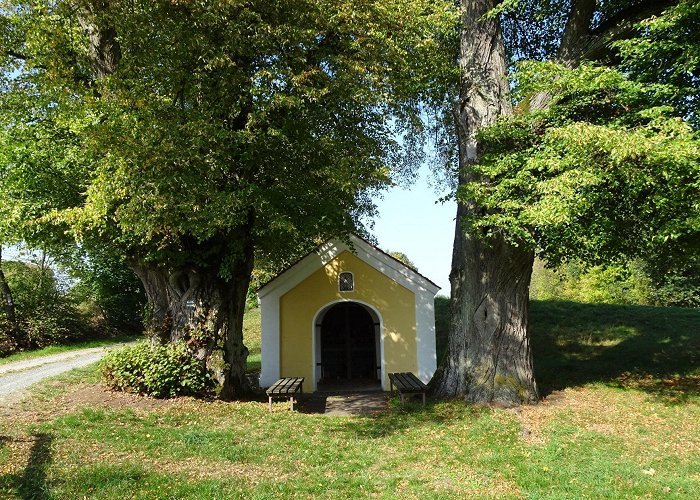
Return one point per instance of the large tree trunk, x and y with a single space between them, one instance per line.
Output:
8 303
197 306
488 355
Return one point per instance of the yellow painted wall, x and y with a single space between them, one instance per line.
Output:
298 306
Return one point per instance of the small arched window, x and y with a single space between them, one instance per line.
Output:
346 282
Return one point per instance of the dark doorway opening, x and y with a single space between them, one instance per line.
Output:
348 344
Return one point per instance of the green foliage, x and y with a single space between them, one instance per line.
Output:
678 288
107 283
156 370
403 258
45 315
667 51
637 282
269 118
601 173
613 284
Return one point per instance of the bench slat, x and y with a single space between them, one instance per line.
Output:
280 386
285 386
407 382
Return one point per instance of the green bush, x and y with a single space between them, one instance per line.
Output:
107 289
45 315
614 284
8 338
160 371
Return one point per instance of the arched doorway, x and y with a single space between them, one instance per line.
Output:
349 345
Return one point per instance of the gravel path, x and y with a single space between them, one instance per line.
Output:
18 376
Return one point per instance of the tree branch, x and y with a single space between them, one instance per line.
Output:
576 31
105 50
619 27
16 55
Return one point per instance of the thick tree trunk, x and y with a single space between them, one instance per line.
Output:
104 49
197 306
8 303
488 356
235 352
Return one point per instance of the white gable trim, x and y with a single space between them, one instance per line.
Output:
383 263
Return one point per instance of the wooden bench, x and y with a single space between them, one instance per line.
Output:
407 383
285 388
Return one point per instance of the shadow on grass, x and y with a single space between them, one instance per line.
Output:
31 483
653 349
407 417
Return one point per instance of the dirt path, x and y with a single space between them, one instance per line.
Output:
16 377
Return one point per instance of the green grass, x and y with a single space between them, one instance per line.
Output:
655 349
612 429
251 338
57 349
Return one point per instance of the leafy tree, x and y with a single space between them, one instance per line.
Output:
45 314
590 164
403 258
611 284
8 302
105 281
189 137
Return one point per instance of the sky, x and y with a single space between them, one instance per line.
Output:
410 221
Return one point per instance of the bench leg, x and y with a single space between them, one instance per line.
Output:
269 399
291 403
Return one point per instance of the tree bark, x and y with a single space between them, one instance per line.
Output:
576 32
488 356
235 383
8 303
105 51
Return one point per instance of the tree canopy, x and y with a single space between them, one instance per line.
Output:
166 134
605 172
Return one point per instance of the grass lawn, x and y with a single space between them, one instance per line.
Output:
621 419
57 349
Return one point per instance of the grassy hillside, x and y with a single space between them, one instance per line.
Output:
251 337
621 420
653 349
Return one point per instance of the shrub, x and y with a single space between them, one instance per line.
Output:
161 371
107 289
614 284
45 315
8 338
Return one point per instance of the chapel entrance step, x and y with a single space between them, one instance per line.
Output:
345 403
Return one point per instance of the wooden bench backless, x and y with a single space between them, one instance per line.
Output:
285 388
407 383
